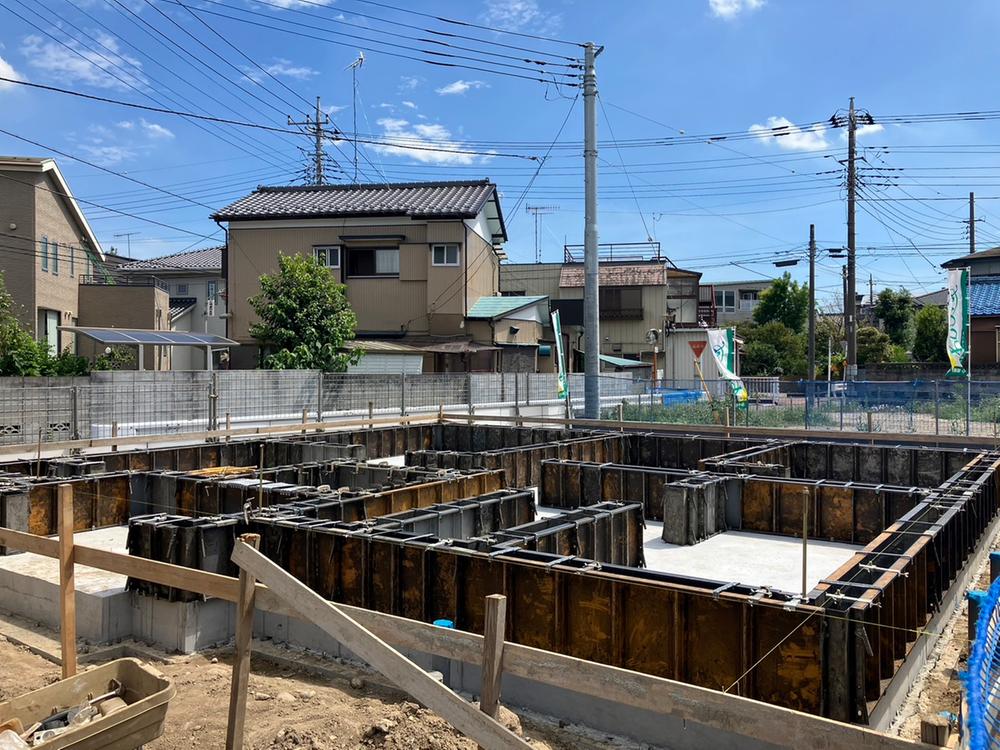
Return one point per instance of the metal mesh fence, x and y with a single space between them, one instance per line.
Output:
148 403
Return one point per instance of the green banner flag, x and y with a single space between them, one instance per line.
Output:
723 346
562 385
958 323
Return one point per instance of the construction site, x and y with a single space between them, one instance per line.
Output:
650 587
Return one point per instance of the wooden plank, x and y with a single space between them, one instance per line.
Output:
67 582
241 662
406 675
493 643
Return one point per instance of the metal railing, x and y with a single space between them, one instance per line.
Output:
982 681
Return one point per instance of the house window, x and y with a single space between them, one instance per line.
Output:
513 293
444 255
213 289
725 301
71 251
327 256
45 253
621 302
373 261
54 252
182 289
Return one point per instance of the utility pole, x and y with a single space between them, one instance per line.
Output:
843 273
972 223
591 304
316 126
851 301
812 303
539 211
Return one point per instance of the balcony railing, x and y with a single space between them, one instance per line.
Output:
621 313
150 281
748 305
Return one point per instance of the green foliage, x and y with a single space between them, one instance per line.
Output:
773 349
305 318
783 302
874 346
895 310
931 333
119 358
703 412
898 354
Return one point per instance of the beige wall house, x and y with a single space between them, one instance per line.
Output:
47 248
194 283
415 258
636 296
735 301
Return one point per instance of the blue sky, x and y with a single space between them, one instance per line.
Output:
728 207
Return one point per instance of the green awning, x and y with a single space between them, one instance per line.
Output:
620 362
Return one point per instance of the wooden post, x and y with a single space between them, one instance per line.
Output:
934 730
67 583
114 434
493 637
229 426
241 659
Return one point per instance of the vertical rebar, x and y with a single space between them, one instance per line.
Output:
468 388
937 408
74 418
402 394
319 396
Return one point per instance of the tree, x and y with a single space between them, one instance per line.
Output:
773 349
895 310
783 302
931 324
874 346
305 318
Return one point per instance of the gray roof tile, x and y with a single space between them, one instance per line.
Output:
417 199
204 259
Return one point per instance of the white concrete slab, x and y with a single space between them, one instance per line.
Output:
745 557
88 580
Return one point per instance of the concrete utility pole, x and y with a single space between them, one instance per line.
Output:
591 304
851 301
812 303
316 126
972 223
539 211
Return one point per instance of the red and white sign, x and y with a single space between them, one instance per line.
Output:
697 347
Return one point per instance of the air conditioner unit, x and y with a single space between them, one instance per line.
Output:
210 308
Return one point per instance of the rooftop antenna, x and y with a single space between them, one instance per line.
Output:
128 239
539 211
354 88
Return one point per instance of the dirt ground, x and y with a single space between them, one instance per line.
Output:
290 708
938 687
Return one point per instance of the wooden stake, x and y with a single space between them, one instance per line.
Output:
67 583
241 660
493 637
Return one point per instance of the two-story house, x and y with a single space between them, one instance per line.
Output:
47 247
735 301
638 293
415 259
984 300
197 293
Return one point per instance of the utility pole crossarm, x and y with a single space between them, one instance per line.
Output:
316 126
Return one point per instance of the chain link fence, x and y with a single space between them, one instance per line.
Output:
131 404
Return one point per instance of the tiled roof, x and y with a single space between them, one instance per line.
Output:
992 254
180 305
417 199
489 308
985 295
204 259
626 275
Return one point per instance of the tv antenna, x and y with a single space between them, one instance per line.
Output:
539 211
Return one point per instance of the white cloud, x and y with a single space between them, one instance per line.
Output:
126 125
408 83
152 130
404 136
87 67
295 3
107 155
282 68
728 9
7 71
334 109
408 104
789 136
868 130
460 87
518 15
